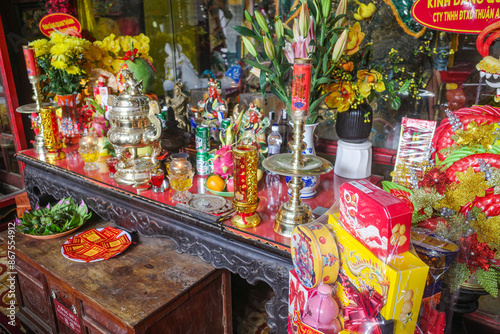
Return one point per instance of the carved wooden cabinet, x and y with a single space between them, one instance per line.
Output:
150 288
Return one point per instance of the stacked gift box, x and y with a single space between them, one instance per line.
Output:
380 282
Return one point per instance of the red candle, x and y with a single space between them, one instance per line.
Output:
301 86
30 58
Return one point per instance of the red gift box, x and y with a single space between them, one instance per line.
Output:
378 219
297 297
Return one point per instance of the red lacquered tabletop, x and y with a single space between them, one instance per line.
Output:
272 193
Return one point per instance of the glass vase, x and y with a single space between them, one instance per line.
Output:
180 174
89 151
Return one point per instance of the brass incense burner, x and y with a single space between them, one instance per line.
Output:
134 125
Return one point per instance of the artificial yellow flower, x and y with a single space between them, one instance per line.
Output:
116 65
368 80
341 96
143 39
143 49
355 38
365 12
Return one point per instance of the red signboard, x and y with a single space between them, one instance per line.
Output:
67 317
61 22
459 16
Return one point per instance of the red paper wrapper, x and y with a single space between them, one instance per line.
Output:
301 88
30 58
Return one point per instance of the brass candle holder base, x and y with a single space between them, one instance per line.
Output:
54 156
295 212
245 216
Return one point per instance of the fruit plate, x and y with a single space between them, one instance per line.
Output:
52 236
220 193
99 259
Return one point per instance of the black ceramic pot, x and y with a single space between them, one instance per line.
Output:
353 126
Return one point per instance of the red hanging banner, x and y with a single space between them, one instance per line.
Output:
457 16
64 23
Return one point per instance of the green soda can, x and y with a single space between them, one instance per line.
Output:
224 125
211 155
202 163
201 138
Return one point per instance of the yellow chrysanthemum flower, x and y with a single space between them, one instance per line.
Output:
59 64
57 38
59 49
73 69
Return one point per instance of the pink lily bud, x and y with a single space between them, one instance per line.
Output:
288 50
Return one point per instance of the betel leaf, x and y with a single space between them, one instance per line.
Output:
60 217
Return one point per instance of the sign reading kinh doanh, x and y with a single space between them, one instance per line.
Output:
458 16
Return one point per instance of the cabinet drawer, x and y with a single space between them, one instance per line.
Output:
100 321
34 303
64 297
29 270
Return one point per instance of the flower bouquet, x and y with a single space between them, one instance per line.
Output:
317 33
116 53
62 60
457 193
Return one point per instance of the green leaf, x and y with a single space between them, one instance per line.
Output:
396 103
258 65
488 280
263 83
405 86
280 96
317 102
247 32
324 80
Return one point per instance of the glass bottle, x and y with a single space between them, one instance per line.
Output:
321 311
274 141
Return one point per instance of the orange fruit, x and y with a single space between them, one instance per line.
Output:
216 183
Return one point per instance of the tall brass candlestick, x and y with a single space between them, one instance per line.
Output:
34 78
296 165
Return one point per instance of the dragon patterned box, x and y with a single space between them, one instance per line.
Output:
376 218
400 279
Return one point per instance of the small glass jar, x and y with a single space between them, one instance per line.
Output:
89 150
180 174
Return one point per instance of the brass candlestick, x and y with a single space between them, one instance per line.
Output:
296 165
34 78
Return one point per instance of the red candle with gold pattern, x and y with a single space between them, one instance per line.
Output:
30 58
245 160
301 86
